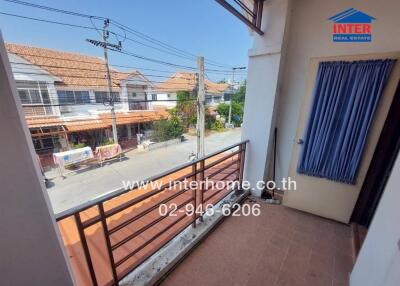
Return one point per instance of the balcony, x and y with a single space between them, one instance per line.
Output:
110 237
281 247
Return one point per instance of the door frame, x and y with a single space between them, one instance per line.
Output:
381 165
321 196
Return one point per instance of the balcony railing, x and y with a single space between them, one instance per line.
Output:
110 236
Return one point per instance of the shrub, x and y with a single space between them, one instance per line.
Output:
237 112
167 129
78 145
107 142
218 125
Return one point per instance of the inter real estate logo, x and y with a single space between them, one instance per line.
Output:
351 25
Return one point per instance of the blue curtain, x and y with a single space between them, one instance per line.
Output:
345 98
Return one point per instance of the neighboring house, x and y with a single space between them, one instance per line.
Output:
65 99
186 81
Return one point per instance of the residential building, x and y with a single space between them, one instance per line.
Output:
165 92
65 99
312 239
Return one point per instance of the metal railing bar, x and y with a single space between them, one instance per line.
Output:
147 226
143 213
194 191
120 191
108 243
143 197
223 178
212 164
128 204
122 260
213 195
85 248
221 169
229 174
144 258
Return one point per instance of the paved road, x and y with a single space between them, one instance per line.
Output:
86 185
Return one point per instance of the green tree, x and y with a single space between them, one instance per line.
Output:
167 129
237 112
185 108
240 95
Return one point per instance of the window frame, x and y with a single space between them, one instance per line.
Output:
104 96
83 99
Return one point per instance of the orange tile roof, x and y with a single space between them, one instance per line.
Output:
187 81
44 122
136 116
75 70
84 125
104 120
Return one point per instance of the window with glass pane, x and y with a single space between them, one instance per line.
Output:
154 97
82 97
35 96
45 93
100 96
63 96
85 97
115 96
24 96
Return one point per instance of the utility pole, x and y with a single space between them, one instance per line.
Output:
106 46
232 89
200 107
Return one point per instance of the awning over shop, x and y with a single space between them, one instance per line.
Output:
136 116
85 125
103 121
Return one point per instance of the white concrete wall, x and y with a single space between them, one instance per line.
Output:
30 245
25 71
262 88
378 262
310 36
164 96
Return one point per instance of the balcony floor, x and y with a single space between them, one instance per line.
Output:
280 247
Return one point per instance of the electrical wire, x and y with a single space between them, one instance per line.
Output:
22 54
123 27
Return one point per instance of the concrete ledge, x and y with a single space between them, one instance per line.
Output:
148 146
160 263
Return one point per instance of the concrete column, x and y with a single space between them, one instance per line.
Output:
53 98
129 127
265 61
30 244
124 97
92 96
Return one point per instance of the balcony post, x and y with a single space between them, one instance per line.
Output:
202 178
108 243
242 154
194 191
85 248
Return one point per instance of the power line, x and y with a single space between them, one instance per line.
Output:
101 103
96 77
122 27
54 9
79 69
92 28
102 64
47 21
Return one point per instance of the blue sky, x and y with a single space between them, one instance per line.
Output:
201 27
